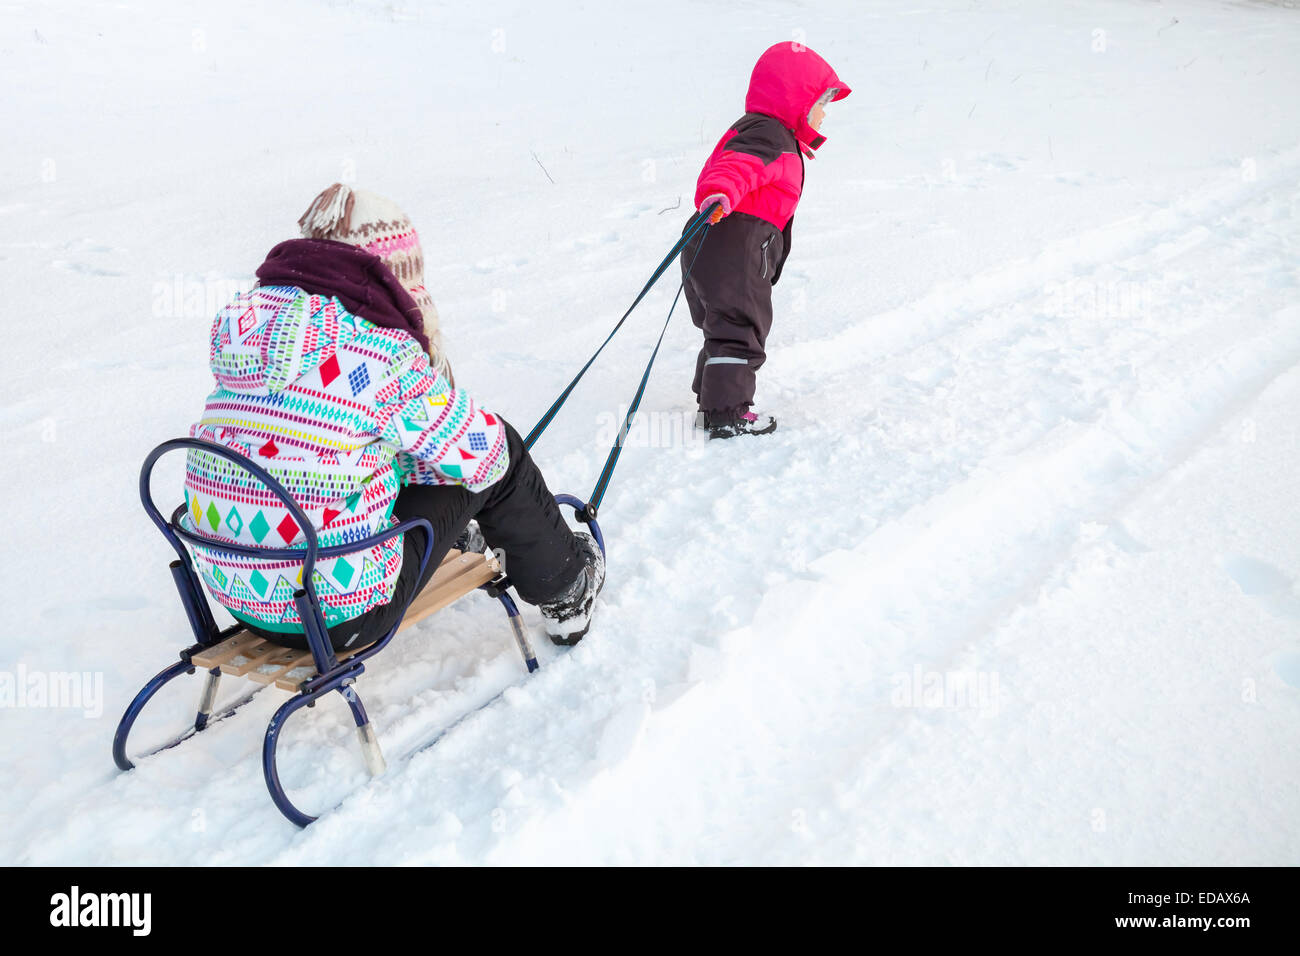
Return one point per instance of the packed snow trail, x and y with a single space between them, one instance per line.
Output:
1037 440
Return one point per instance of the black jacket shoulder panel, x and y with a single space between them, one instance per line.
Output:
763 136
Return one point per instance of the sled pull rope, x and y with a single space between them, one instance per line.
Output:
607 473
700 222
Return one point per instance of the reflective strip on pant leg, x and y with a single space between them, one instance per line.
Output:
726 360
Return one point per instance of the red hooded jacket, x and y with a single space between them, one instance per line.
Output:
757 163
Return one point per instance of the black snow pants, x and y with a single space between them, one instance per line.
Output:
729 292
517 514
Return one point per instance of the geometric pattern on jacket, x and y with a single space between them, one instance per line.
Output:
342 413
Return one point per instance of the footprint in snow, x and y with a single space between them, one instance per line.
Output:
1268 584
1124 540
499 263
931 376
630 210
1000 161
593 240
1287 667
82 268
90 245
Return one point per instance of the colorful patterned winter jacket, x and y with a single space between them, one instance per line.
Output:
342 413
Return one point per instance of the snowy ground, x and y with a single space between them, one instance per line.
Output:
1015 582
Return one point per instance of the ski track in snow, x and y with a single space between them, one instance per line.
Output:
957 481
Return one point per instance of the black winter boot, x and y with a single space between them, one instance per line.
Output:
569 616
728 424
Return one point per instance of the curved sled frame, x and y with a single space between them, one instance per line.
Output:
332 674
584 510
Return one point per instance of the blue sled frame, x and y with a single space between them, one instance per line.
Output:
331 673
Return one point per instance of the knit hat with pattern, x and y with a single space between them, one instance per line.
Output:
378 225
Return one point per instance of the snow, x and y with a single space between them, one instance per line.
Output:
1015 581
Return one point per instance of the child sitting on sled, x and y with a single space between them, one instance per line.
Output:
755 176
323 378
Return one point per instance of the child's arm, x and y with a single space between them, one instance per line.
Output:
444 437
745 161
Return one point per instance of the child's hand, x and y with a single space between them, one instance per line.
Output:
724 207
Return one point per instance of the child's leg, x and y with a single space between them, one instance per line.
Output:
734 350
731 283
519 515
696 303
449 519
698 313
449 510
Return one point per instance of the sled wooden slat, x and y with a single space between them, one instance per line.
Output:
294 676
279 664
218 654
246 660
244 654
452 581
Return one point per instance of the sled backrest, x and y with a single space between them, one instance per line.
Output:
309 609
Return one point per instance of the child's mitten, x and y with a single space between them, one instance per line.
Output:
724 206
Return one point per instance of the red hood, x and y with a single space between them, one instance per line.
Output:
786 82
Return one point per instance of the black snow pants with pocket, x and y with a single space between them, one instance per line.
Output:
517 514
729 292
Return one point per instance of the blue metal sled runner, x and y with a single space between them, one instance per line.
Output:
310 674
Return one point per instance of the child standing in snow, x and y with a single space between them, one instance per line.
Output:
755 176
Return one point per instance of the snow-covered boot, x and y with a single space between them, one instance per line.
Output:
471 540
728 424
569 616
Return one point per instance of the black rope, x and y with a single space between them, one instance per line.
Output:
607 473
701 221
